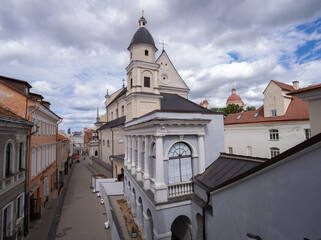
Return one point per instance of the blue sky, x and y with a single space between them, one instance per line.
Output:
71 52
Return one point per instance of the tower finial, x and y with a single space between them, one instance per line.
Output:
163 43
143 13
97 118
123 83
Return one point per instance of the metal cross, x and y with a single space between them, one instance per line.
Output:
163 43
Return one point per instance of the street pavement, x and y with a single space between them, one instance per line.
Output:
82 216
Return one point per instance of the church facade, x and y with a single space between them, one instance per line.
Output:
163 139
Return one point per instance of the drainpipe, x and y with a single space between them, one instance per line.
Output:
112 152
28 145
204 209
57 172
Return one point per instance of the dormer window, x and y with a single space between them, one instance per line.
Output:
256 114
239 116
146 52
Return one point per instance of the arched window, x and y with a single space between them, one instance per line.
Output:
108 144
9 160
179 163
96 153
274 151
153 162
103 142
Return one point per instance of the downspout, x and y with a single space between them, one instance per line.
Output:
28 146
112 152
204 209
57 172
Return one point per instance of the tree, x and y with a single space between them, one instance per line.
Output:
250 108
233 108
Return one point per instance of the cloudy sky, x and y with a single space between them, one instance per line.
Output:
72 51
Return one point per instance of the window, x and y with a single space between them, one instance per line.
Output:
104 142
116 113
33 163
108 144
7 219
230 150
20 160
307 133
256 114
179 163
146 81
274 152
273 113
146 52
122 110
274 134
9 159
20 206
239 116
112 116
131 83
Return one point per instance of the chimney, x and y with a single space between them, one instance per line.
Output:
295 85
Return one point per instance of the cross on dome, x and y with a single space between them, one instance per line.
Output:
163 43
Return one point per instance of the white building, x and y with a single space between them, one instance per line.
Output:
279 124
167 140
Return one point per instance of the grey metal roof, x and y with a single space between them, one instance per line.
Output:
114 123
142 35
174 102
226 167
119 157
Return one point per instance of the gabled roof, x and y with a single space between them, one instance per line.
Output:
283 86
298 110
7 115
270 162
122 92
175 103
226 167
114 123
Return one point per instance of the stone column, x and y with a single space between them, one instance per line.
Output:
146 164
160 186
133 168
139 159
201 154
129 151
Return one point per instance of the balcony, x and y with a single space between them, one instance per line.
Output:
180 189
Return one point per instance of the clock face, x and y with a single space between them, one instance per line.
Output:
164 79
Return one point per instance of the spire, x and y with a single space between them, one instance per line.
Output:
97 118
142 21
107 95
123 83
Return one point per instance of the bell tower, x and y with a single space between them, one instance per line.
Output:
142 74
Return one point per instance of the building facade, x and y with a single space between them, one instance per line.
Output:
42 144
279 124
13 167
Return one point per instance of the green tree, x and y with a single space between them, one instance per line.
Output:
233 108
250 108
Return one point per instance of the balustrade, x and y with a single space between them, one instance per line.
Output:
179 189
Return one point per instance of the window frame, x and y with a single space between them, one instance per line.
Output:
9 220
273 113
274 151
274 134
147 82
307 132
146 52
9 164
180 158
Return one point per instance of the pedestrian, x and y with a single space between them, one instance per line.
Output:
84 158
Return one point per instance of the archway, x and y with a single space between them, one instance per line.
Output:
148 225
140 218
181 228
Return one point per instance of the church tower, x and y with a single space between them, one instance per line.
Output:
142 94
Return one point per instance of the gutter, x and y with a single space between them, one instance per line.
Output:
112 152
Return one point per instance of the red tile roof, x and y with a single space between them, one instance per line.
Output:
298 110
306 89
6 114
283 86
61 137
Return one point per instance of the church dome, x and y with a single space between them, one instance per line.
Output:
142 35
234 99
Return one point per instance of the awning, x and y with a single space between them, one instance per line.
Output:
33 189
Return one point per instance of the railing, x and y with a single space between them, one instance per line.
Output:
179 189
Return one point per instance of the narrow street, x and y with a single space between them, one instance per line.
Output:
82 216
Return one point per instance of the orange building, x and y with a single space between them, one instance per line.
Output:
42 141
